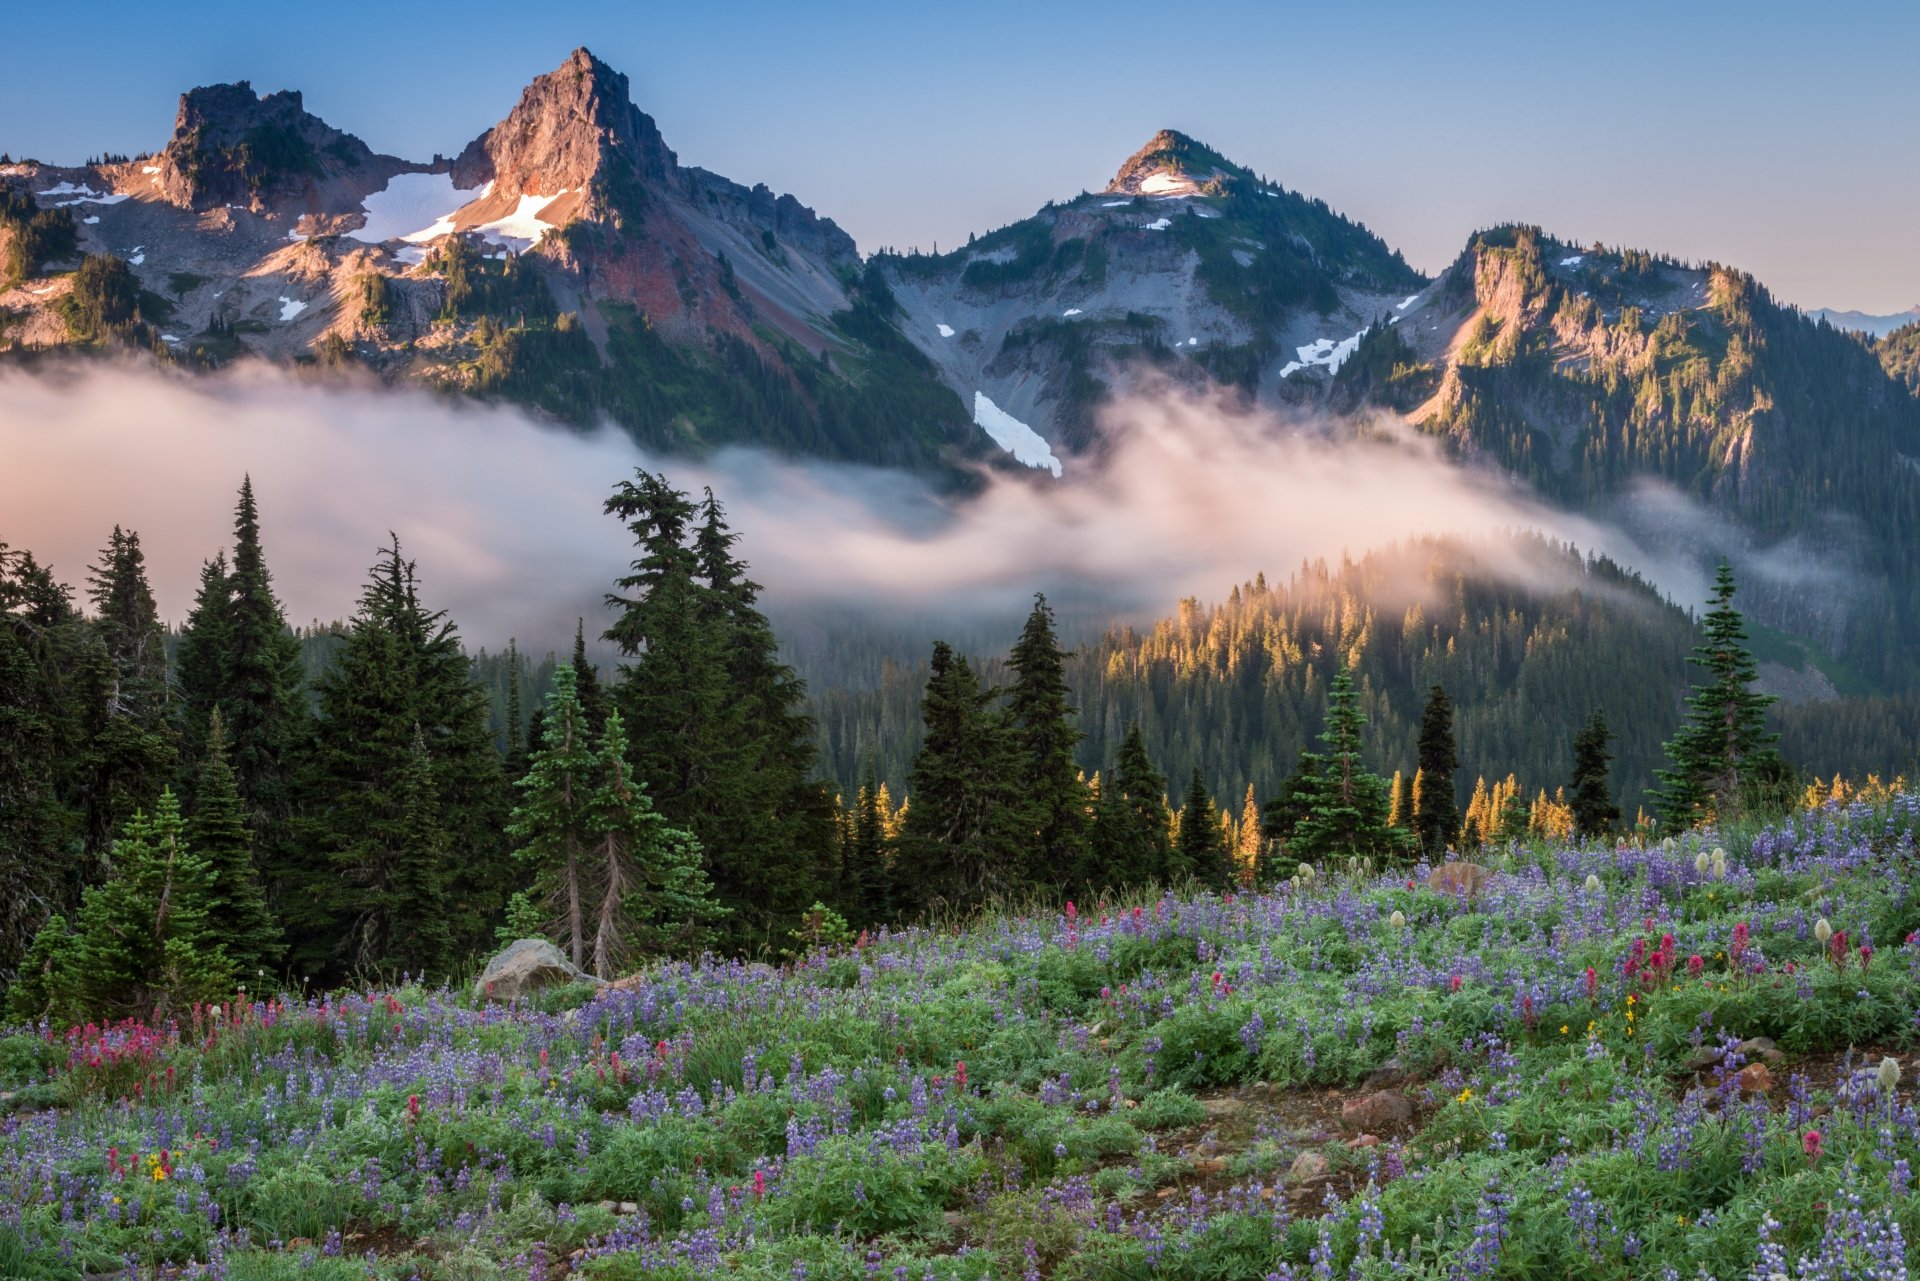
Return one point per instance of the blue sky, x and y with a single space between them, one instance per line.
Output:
1777 138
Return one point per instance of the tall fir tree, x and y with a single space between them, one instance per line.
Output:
1347 806
399 699
549 823
261 679
1595 812
1438 818
867 876
129 625
1724 761
964 837
237 910
200 660
720 736
1041 714
593 699
514 749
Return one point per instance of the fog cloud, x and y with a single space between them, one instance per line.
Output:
503 514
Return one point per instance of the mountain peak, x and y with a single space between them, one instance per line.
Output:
1171 164
232 146
575 129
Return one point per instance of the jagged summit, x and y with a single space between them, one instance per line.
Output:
1172 164
232 146
575 130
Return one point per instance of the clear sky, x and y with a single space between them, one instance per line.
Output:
1779 138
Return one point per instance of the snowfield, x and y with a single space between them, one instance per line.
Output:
1324 352
1163 183
946 331
81 196
291 307
522 229
413 206
1158 224
1023 442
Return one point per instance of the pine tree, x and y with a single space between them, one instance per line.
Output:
237 911
652 896
144 946
1201 853
1595 812
120 764
965 835
1723 761
550 822
1438 816
1041 715
1347 806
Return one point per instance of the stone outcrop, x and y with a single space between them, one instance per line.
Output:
525 967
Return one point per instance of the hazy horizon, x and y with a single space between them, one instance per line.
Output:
1749 135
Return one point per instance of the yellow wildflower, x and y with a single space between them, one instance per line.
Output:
1464 1096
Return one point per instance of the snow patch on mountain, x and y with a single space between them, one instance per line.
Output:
291 307
946 331
522 229
1323 352
1023 442
412 206
1158 224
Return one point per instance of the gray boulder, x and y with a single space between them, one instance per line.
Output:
527 966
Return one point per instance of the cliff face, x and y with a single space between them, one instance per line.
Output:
260 152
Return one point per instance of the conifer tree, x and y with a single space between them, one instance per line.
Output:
1347 805
129 624
1201 854
144 946
964 836
1724 760
514 752
200 663
1041 715
1595 812
1438 818
217 830
121 763
1281 817
400 677
652 896
260 678
1247 850
867 889
550 822
720 735
1130 843
593 700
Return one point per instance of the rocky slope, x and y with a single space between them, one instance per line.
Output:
564 259
1186 264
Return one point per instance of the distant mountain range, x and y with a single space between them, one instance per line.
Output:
567 261
1861 322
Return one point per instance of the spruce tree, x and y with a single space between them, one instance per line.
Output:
1347 806
144 945
1202 854
652 898
1041 714
1595 812
217 830
514 749
549 824
593 700
1723 761
965 834
1438 818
